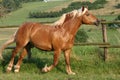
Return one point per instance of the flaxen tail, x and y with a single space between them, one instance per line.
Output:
8 42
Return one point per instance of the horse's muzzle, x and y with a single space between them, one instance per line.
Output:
97 22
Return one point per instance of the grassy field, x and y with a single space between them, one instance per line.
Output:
86 61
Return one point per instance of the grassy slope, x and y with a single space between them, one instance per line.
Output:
19 16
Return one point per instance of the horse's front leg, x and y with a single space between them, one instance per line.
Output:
67 60
55 61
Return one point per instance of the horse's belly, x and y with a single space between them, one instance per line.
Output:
42 43
41 40
43 46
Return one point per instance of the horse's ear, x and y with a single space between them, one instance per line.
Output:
83 8
86 6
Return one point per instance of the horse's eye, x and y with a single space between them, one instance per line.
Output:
87 14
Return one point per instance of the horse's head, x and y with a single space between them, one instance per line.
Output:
87 17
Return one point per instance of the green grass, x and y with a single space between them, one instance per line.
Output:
87 62
107 17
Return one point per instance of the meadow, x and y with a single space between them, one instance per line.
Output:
86 61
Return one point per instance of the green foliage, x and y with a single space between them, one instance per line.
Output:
81 36
113 25
118 6
75 5
44 14
118 18
29 0
21 15
11 5
95 5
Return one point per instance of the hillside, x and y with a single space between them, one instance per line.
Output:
109 8
21 15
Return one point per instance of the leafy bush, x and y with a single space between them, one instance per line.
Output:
113 25
43 14
11 5
95 5
81 36
75 5
29 0
118 6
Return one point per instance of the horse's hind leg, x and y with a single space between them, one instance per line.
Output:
15 51
17 66
28 48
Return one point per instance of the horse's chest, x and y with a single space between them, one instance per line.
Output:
68 41
68 44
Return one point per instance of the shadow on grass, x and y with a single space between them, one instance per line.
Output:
39 62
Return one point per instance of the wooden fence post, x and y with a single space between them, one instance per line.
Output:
104 34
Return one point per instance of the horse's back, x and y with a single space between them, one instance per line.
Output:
41 36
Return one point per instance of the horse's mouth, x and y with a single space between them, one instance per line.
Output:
97 23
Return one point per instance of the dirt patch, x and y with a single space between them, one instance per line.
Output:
109 8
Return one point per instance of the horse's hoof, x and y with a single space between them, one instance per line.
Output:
17 68
45 69
8 69
71 73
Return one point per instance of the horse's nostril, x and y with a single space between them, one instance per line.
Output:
97 22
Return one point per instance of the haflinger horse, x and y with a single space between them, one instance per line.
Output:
56 37
11 40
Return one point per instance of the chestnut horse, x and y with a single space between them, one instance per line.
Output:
11 40
54 37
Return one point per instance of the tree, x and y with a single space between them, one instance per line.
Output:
11 5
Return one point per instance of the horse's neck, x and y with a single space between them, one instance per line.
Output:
72 26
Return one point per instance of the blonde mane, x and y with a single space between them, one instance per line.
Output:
63 17
71 14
